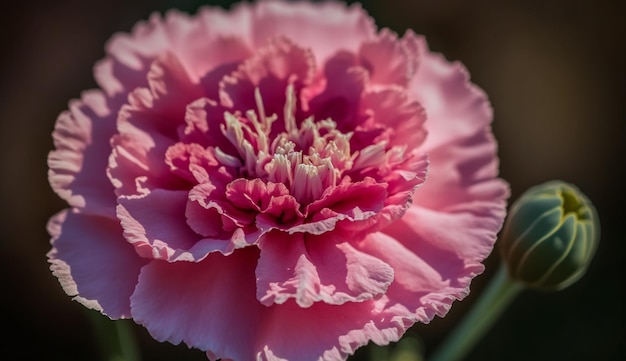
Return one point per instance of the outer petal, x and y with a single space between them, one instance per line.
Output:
439 244
388 59
325 332
455 108
77 166
463 175
201 305
209 305
156 225
148 126
313 269
430 272
462 151
312 25
200 42
93 261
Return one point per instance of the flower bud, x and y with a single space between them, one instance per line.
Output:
551 234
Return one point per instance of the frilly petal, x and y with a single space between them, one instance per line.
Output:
332 332
208 305
93 262
77 165
147 126
271 69
424 286
156 226
455 108
311 25
388 59
311 269
194 39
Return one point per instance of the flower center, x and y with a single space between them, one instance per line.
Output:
308 159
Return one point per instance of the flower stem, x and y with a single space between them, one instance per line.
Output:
500 291
115 338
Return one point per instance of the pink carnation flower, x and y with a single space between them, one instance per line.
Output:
281 181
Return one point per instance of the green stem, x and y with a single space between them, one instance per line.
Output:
500 291
115 338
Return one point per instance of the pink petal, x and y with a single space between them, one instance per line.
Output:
424 285
208 305
388 59
203 308
402 117
161 109
77 166
313 269
352 201
325 332
203 118
191 162
312 25
340 98
196 40
148 126
455 107
224 227
274 66
93 262
455 217
463 174
136 164
208 202
156 226
170 84
253 194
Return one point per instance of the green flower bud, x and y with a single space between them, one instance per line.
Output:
550 236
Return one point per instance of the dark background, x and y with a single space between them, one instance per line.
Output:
555 74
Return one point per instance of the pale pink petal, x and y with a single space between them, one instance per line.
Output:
401 117
311 269
209 305
455 108
196 40
423 286
312 25
136 164
147 126
170 85
156 226
325 332
389 60
192 313
78 164
463 174
278 64
190 162
93 262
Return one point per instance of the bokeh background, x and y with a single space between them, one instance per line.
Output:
555 74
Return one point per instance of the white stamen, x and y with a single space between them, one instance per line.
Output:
227 159
290 110
260 107
279 170
307 185
371 156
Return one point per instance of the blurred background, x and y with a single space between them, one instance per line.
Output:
555 74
